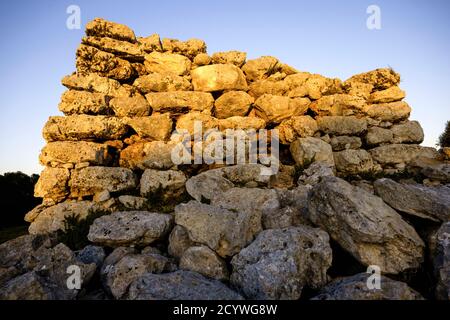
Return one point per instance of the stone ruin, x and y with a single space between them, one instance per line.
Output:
353 182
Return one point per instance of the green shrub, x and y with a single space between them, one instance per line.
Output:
444 138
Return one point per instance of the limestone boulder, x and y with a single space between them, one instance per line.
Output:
84 127
339 143
376 136
163 62
135 106
179 242
187 122
275 109
83 102
356 288
401 153
339 105
297 127
366 227
218 77
162 82
92 82
147 155
232 230
260 68
391 94
178 101
440 257
315 172
179 285
53 184
206 184
155 127
241 123
233 103
408 132
341 126
166 184
415 199
352 162
150 43
123 49
304 151
381 79
189 48
204 261
91 180
102 28
280 262
105 64
393 111
234 57
130 228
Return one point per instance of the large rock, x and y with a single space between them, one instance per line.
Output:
365 226
179 285
440 256
280 262
162 62
103 28
376 136
59 153
380 79
132 266
229 57
388 95
415 199
207 184
91 180
314 86
135 106
150 43
130 228
189 48
147 155
338 105
233 230
307 150
52 184
177 101
217 77
241 123
297 127
401 153
341 126
50 219
393 111
122 49
269 86
155 127
187 122
315 172
351 162
260 68
274 109
340 143
434 169
409 132
94 83
356 288
166 184
233 103
162 82
83 102
84 127
203 260
105 64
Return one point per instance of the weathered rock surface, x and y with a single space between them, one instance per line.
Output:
156 127
440 256
103 28
356 288
203 260
162 82
280 262
84 127
415 199
307 150
230 57
341 126
167 184
179 285
409 132
216 77
274 109
52 184
341 143
176 101
233 230
179 242
83 102
353 161
401 153
147 155
297 127
130 227
232 103
365 226
91 180
135 106
260 68
162 62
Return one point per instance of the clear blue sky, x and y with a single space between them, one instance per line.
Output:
326 37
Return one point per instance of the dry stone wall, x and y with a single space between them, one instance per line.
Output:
222 227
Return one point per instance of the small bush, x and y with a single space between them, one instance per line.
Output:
444 138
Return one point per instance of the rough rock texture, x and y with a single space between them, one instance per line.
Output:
280 262
353 161
233 103
218 77
440 252
275 109
355 288
417 200
179 285
131 227
365 226
203 260
307 150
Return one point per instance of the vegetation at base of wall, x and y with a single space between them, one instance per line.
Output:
444 138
